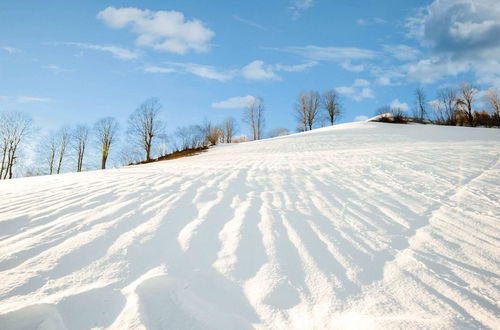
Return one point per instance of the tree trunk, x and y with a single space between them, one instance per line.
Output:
103 161
3 162
59 165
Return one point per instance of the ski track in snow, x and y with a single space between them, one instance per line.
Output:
363 225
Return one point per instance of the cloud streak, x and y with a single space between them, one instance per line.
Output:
34 99
237 102
117 52
11 50
249 22
358 91
256 70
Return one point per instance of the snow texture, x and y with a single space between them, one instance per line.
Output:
362 225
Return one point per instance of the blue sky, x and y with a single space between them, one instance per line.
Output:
69 62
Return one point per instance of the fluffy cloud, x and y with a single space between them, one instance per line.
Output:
118 52
258 70
348 66
358 91
161 30
462 36
434 68
396 104
461 26
238 102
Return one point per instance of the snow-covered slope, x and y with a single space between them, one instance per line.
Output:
364 225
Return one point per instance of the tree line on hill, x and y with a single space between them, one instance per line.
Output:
146 138
146 130
452 106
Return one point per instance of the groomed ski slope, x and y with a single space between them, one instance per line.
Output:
362 225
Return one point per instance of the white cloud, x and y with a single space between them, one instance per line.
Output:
258 70
238 102
162 30
200 70
11 50
370 21
462 36
361 83
396 104
459 25
384 81
435 68
158 69
358 91
388 76
33 99
55 68
295 68
336 54
299 6
360 118
118 52
249 22
402 52
204 71
341 55
347 65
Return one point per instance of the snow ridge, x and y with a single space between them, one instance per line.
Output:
363 225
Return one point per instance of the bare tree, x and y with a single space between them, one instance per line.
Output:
14 127
466 100
162 145
63 139
439 112
106 130
307 109
212 134
493 96
254 117
190 137
144 125
420 110
301 113
215 135
229 126
80 138
48 150
331 103
447 97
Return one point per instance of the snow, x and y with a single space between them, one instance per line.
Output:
361 225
